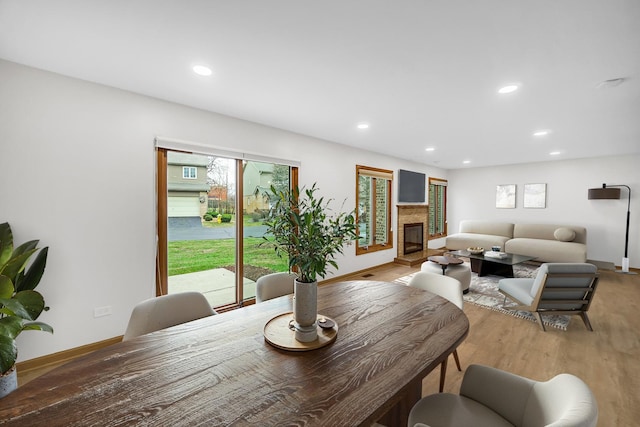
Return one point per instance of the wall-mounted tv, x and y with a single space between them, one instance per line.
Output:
411 187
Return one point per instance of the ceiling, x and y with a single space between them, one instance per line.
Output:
421 73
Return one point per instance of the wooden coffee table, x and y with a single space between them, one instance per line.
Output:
445 261
483 265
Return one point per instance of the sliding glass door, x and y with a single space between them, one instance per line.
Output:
212 210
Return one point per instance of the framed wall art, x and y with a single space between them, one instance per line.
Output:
535 196
506 196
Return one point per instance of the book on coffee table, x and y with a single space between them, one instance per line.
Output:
493 254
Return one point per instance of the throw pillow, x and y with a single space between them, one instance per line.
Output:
564 234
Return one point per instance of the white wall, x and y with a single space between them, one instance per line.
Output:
472 195
77 168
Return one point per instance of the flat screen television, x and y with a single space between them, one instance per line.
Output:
411 187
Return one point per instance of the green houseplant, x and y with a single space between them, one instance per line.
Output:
20 303
301 226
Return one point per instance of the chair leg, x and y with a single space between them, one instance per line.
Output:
455 357
585 319
539 317
443 373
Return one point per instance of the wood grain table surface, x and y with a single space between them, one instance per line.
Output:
220 371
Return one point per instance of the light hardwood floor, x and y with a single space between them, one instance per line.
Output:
607 359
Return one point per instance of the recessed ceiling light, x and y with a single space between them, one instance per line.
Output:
509 88
554 153
363 126
466 162
430 149
543 132
201 70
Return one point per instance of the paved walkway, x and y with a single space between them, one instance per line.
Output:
217 285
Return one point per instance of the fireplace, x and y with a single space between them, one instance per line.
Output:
413 238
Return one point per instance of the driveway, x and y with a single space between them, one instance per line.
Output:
191 229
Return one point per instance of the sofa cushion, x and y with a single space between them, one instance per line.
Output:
518 288
493 228
564 234
461 241
546 231
548 250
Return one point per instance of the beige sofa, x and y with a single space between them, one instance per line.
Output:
546 242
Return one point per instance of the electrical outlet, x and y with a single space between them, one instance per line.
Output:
102 311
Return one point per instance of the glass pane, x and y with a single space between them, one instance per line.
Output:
437 211
432 209
259 259
365 201
381 210
440 209
201 226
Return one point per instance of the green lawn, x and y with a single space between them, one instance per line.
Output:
189 256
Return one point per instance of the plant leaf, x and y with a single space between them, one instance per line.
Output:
8 353
37 326
16 264
10 326
6 243
34 273
6 287
32 303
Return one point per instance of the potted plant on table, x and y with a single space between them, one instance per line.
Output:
301 227
20 304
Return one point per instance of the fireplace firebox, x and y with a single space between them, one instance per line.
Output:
413 238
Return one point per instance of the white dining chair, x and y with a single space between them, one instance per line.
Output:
165 311
274 285
490 397
446 287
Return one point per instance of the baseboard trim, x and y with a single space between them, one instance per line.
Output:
353 273
63 356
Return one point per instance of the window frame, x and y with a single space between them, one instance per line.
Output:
375 174
189 169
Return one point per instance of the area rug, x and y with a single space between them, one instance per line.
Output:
483 292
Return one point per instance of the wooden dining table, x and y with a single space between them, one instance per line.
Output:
220 371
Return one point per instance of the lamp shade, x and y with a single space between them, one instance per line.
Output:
604 193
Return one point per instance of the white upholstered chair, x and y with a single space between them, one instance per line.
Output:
274 285
461 272
166 311
449 288
558 288
490 397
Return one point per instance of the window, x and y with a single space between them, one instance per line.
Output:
373 209
437 208
189 172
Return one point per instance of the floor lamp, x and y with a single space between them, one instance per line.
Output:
613 192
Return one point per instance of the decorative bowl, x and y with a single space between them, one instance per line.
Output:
475 251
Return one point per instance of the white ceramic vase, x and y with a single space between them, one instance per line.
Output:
8 382
305 311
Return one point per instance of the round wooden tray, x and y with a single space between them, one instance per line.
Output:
280 334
